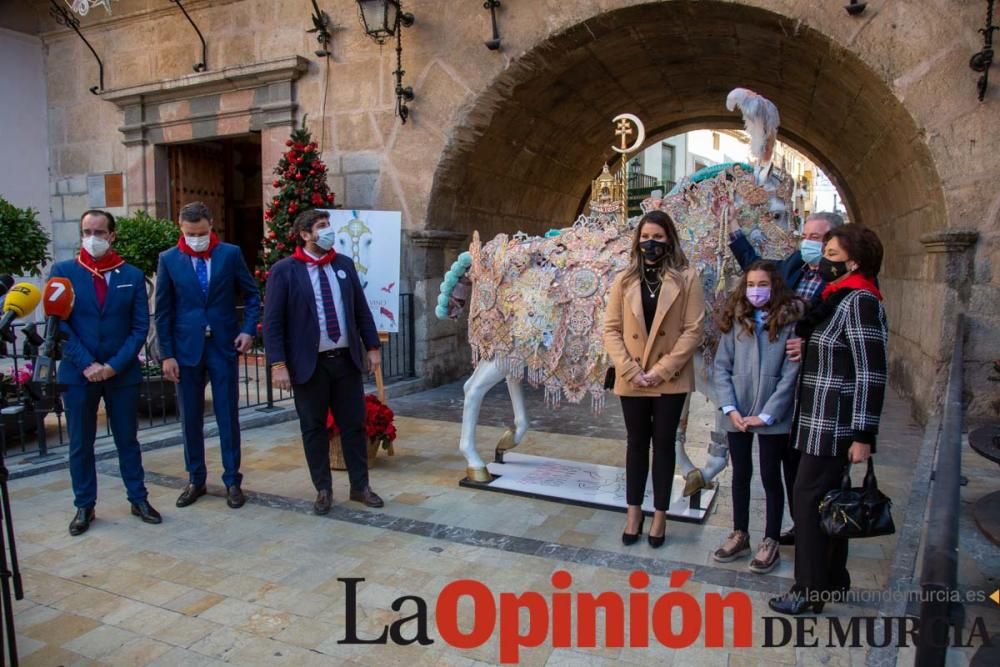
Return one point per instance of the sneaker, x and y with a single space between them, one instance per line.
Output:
767 556
736 546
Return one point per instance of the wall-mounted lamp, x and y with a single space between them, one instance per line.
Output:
982 60
856 7
383 19
492 5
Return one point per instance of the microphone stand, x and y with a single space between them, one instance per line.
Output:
43 390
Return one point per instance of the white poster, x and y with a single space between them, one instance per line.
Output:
372 239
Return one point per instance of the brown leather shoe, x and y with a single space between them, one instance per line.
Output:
368 497
234 496
324 499
190 494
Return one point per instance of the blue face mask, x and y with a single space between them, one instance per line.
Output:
811 251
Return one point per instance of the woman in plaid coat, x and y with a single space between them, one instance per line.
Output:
841 391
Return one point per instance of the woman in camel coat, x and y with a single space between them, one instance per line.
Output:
652 327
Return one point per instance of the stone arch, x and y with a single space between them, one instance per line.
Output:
524 148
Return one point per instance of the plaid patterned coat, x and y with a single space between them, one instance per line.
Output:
843 376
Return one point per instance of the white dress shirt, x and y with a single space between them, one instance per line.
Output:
324 339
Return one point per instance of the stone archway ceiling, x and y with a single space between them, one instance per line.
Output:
530 144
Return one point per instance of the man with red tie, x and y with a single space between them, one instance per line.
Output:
320 337
198 284
105 333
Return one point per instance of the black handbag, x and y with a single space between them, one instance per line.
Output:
609 378
856 512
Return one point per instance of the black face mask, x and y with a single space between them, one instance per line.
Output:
653 250
829 270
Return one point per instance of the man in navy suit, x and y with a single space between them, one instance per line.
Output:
105 333
320 337
197 324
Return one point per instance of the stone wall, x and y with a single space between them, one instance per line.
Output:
507 140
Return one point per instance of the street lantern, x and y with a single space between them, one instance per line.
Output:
381 18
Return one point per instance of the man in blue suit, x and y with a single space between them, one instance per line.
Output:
105 333
320 337
197 324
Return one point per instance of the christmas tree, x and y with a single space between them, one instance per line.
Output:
301 185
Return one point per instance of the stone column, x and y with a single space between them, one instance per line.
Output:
442 352
949 267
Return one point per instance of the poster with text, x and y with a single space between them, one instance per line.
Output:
372 239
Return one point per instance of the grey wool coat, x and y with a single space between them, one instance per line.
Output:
754 374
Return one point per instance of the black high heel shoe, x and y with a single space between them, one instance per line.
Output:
795 603
657 542
628 539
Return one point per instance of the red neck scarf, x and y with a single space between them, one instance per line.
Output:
186 249
301 255
109 261
853 281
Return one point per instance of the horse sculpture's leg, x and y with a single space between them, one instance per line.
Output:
486 375
696 478
513 437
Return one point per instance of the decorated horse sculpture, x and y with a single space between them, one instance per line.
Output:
536 304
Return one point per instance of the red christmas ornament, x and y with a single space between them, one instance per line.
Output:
298 177
276 183
288 142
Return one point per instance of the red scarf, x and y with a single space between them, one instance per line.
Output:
186 249
301 255
109 261
853 281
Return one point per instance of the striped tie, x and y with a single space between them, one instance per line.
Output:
329 309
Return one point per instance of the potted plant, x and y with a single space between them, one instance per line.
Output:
25 247
379 428
139 239
11 383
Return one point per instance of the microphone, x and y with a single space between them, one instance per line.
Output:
6 282
21 300
58 304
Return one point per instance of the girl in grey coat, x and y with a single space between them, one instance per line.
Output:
755 386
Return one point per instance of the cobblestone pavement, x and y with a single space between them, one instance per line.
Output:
259 585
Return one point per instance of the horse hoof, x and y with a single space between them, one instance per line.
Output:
694 482
478 475
506 441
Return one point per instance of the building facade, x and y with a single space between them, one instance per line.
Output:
509 139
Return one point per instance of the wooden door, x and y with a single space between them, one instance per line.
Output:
198 173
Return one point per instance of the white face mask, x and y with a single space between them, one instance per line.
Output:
326 237
95 246
197 243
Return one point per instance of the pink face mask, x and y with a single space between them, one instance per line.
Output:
758 296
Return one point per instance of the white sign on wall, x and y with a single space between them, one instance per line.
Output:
372 239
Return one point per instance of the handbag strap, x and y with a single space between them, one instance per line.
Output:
870 484
845 481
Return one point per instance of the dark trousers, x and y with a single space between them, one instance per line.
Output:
774 455
121 403
221 370
335 385
820 562
651 418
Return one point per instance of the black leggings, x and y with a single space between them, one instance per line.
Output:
774 454
651 418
